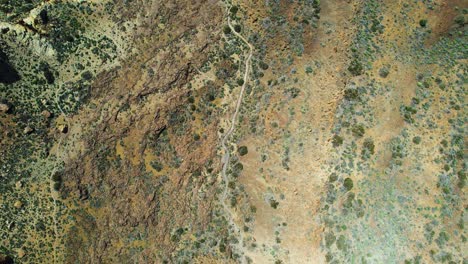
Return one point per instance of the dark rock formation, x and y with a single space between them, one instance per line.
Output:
8 74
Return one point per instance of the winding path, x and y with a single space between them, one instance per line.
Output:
227 156
51 182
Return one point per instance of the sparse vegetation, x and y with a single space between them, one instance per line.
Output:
146 115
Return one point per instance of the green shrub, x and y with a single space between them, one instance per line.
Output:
243 150
348 184
446 167
348 203
329 239
293 92
253 209
423 22
351 94
383 72
461 179
358 130
57 185
337 141
442 239
240 82
87 75
57 177
234 10
237 28
355 67
227 30
264 66
460 20
398 147
444 143
273 203
408 113
238 167
368 148
341 243
232 185
417 140
156 165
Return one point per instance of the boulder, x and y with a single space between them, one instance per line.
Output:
4 108
46 114
28 130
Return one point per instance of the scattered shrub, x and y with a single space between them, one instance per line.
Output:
57 185
351 94
273 203
444 143
367 148
358 130
408 113
383 72
337 141
460 20
417 140
253 209
461 179
87 75
57 177
234 10
293 92
238 167
232 185
156 165
341 243
263 66
355 67
333 177
446 167
348 184
329 239
423 22
243 150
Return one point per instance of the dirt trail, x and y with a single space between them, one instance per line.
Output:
226 157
